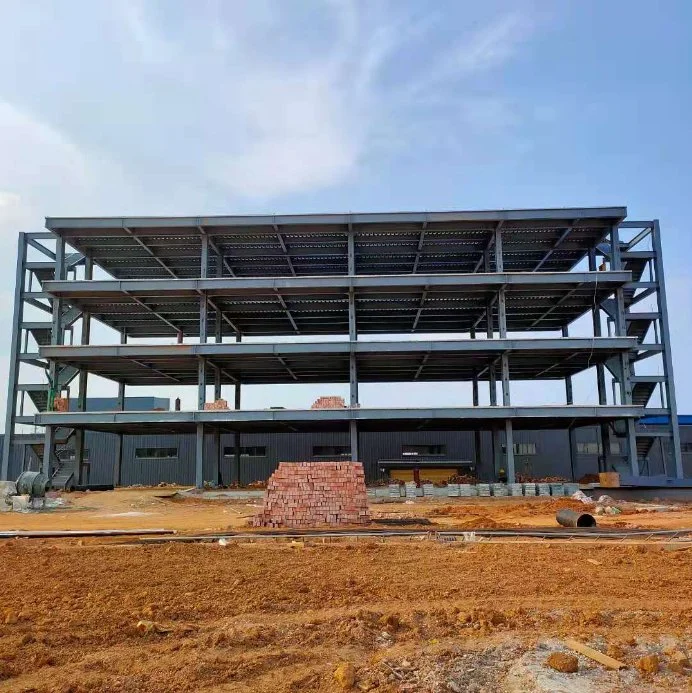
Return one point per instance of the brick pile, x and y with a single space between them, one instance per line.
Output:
330 402
216 405
307 494
61 404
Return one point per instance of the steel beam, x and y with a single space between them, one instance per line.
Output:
419 249
550 413
223 262
285 250
556 245
31 240
149 251
556 305
58 224
181 287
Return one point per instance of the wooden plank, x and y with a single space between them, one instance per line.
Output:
594 654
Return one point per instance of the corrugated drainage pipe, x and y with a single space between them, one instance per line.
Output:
572 518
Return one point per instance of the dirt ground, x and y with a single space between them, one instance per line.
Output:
159 508
415 616
405 615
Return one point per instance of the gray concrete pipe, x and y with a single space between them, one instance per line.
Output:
572 518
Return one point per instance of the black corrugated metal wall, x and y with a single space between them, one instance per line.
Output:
550 459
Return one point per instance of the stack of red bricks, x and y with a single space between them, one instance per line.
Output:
61 404
217 404
330 402
308 494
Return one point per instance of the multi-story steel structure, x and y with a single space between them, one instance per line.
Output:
210 282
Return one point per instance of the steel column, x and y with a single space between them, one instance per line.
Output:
499 261
600 375
353 381
236 440
509 444
218 454
497 452
117 467
351 252
201 382
569 393
204 256
476 402
621 330
353 435
83 380
199 456
15 348
571 433
56 339
502 313
667 353
353 337
504 360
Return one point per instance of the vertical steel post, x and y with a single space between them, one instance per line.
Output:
569 393
15 348
56 339
502 328
621 331
201 382
667 353
571 433
353 337
236 442
117 467
499 260
476 401
203 306
504 359
218 338
199 456
600 375
497 450
509 443
83 380
219 455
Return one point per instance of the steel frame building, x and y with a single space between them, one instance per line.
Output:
477 275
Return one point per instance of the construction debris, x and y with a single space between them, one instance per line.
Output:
563 662
307 494
216 405
649 664
345 675
329 402
147 627
594 654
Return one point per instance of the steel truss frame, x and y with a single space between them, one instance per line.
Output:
58 299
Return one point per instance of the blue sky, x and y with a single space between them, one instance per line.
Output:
134 107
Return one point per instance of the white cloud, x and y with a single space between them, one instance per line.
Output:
179 108
312 125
